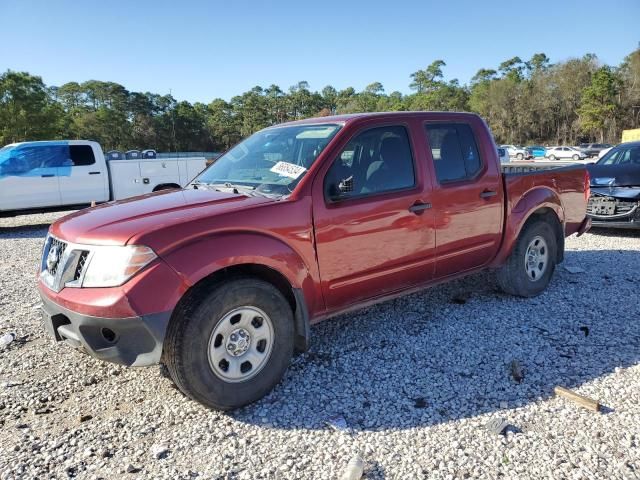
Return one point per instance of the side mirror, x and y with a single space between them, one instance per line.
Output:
342 189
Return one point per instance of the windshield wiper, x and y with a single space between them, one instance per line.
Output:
196 184
231 187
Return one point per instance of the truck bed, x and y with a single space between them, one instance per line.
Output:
556 183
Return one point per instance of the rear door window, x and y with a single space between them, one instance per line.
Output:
454 151
81 155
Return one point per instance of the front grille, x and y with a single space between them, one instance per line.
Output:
54 257
63 264
607 206
82 260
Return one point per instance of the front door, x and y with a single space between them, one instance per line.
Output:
373 222
28 177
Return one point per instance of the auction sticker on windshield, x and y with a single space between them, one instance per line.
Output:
287 169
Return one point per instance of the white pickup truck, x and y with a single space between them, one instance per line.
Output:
64 174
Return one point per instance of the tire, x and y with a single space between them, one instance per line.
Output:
515 276
576 158
552 157
195 357
519 156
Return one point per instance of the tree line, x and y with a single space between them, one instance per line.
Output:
524 101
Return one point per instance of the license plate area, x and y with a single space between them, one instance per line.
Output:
602 206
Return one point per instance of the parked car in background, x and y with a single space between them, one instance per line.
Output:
564 153
605 151
222 280
593 149
535 151
515 151
69 174
615 188
503 155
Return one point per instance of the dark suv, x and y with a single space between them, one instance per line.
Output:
593 149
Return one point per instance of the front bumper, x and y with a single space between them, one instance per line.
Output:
134 341
629 224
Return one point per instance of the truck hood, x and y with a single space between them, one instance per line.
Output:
614 175
114 223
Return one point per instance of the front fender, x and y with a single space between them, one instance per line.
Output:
205 256
532 201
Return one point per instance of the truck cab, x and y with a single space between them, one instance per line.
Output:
52 174
69 174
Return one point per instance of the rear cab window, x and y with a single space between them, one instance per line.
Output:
454 151
81 155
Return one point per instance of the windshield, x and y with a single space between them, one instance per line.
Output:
272 161
621 156
5 153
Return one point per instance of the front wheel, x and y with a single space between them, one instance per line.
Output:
529 268
230 346
519 156
576 158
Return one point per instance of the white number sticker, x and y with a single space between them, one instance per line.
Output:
287 169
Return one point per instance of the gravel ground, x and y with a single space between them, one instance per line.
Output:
416 380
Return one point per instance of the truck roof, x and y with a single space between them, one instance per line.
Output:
50 142
351 117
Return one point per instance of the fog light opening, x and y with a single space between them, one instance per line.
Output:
108 334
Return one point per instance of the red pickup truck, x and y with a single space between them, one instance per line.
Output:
301 221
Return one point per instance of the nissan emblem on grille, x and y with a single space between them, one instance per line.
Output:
53 258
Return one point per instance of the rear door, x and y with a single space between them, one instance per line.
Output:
28 177
373 222
81 177
468 200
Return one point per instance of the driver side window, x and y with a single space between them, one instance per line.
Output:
375 161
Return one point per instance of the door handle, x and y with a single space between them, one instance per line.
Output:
418 207
94 173
47 175
488 194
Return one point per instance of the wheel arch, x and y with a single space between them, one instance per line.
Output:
294 296
226 256
537 204
165 186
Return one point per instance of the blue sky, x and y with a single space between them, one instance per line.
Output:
201 50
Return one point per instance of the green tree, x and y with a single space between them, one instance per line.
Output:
429 78
27 110
599 105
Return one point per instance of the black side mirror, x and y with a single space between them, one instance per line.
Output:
342 189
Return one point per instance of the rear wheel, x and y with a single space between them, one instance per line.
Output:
519 156
552 157
231 345
529 268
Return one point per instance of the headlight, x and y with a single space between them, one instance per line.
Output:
110 266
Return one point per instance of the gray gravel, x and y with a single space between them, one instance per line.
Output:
416 379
